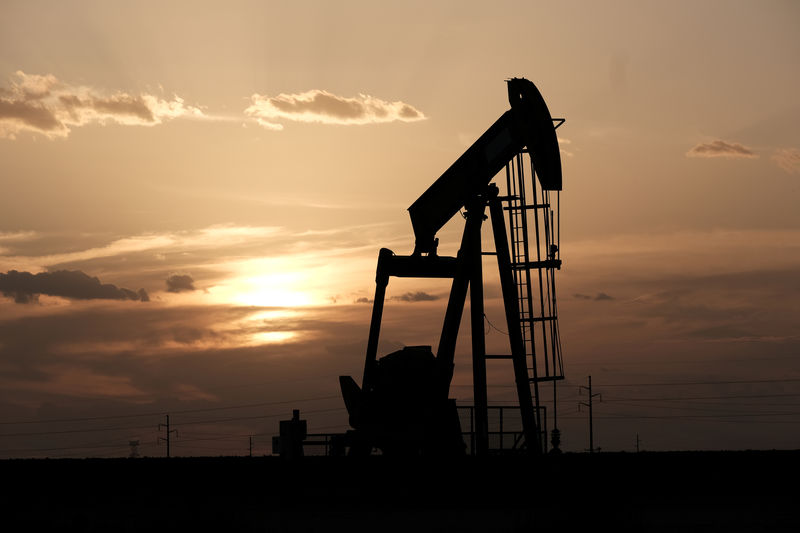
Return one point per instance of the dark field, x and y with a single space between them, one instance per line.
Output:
686 491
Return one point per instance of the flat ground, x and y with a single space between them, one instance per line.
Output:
682 491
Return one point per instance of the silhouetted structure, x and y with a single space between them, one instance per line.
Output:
402 406
555 441
591 416
292 433
506 436
134 444
167 439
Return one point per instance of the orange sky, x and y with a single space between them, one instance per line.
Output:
243 165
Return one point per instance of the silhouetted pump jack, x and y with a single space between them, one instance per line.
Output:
402 406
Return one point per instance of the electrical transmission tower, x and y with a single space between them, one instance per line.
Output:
589 405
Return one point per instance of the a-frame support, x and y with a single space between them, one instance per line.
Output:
467 273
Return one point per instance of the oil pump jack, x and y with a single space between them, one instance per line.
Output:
402 406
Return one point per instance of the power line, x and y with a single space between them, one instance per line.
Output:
620 416
676 383
265 383
160 413
232 419
680 398
493 326
60 448
706 409
67 431
205 434
190 423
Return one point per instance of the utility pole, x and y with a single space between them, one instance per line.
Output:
589 405
251 446
169 432
637 443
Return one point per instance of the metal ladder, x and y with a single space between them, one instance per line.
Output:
534 260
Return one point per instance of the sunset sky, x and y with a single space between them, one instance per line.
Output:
228 172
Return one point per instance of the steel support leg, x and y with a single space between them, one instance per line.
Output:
381 281
458 293
510 301
480 396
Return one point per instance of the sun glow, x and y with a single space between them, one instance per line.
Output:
273 337
271 314
268 290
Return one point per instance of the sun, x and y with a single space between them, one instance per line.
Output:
266 290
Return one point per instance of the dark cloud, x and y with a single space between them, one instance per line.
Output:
25 287
116 360
319 102
118 104
32 114
112 360
721 148
124 104
180 283
322 106
600 296
418 296
410 113
409 297
723 331
728 309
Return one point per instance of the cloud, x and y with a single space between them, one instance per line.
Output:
418 296
46 105
25 287
599 297
788 159
17 235
721 148
127 247
258 265
115 358
180 283
327 108
562 142
409 297
104 358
